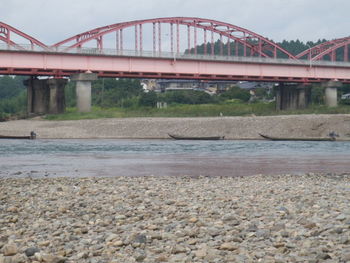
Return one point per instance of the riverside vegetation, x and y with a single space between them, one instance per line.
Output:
112 98
204 110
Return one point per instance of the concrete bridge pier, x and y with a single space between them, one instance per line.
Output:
331 92
292 97
45 95
37 94
83 90
57 102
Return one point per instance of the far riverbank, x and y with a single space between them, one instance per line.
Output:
158 128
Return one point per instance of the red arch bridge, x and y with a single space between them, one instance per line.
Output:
169 48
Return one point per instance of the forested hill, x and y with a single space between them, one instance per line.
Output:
293 46
296 46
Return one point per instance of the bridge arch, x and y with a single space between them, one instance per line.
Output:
239 41
8 34
329 48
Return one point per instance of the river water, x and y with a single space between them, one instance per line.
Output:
50 158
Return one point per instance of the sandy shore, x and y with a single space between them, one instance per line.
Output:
230 127
286 218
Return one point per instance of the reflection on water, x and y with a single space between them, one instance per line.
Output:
167 157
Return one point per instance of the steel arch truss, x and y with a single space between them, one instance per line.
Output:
328 49
238 41
6 35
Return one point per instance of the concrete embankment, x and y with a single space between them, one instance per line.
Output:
230 127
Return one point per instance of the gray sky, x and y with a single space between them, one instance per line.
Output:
53 20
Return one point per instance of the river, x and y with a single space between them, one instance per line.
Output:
80 158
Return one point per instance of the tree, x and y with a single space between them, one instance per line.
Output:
11 86
187 97
317 94
261 93
148 99
236 93
114 92
70 94
12 95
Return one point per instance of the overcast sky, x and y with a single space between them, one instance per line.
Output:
53 20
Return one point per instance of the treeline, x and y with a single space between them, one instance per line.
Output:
129 93
193 97
294 47
110 93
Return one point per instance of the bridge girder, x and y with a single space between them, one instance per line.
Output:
6 32
328 48
249 41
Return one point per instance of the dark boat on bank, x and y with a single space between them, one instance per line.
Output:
179 137
297 139
32 136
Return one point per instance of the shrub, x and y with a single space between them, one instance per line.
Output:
236 93
344 101
4 116
148 99
187 97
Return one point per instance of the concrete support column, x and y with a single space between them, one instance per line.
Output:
304 96
292 97
57 98
286 98
331 97
38 96
45 95
83 90
331 92
29 85
278 98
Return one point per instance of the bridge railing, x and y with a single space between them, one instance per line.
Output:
167 55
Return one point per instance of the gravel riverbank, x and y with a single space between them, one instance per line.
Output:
230 127
285 218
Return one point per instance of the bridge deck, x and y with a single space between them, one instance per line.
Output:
110 63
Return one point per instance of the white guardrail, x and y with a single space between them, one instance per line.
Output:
169 55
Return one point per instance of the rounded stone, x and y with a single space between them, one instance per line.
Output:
31 251
228 246
10 249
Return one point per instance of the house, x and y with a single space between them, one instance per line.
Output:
345 96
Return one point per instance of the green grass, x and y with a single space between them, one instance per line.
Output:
204 110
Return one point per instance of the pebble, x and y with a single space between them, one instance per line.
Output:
9 249
31 251
53 259
346 256
228 246
201 253
262 218
19 258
